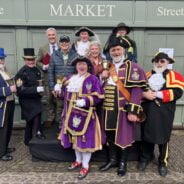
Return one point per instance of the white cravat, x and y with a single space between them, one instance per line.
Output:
75 83
82 47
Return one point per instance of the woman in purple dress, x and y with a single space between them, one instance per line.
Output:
80 124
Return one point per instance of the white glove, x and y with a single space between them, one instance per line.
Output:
40 89
80 103
58 87
159 94
45 67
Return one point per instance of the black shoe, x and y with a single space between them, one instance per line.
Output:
10 150
108 165
122 169
6 158
162 170
142 166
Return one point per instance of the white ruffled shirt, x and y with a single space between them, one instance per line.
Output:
75 83
156 81
82 47
117 66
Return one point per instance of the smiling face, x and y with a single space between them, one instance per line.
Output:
84 36
94 50
117 53
30 62
65 46
52 36
160 65
81 67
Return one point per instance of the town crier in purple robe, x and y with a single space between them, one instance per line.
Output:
124 83
80 124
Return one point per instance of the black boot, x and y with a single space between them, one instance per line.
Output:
122 169
112 158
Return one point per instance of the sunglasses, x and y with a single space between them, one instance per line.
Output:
160 61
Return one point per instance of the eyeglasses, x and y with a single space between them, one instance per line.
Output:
160 61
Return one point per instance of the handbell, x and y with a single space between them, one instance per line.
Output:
11 81
105 64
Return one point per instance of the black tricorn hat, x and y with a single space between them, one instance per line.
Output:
84 29
119 41
83 59
29 53
121 25
162 55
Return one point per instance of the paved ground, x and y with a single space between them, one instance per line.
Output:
23 171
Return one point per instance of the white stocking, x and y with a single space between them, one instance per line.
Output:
78 156
85 159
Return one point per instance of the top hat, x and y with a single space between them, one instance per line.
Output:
120 41
29 53
64 38
2 54
162 55
121 25
84 29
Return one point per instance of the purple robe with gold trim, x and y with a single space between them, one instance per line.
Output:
91 91
134 79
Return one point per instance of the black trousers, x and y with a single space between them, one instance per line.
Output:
148 152
6 130
32 127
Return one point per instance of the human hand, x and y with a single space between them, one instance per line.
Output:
105 74
132 117
159 94
45 67
80 103
150 95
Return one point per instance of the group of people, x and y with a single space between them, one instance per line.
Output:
99 100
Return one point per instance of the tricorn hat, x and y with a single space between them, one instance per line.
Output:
121 25
83 59
29 53
119 41
162 55
84 29
2 54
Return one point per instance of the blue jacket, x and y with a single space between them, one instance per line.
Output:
58 67
4 92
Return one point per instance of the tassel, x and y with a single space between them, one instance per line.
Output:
83 138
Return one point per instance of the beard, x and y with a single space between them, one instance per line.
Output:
159 70
117 59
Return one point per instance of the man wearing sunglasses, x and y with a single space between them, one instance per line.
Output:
165 87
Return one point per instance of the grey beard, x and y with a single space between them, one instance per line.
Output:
159 70
117 59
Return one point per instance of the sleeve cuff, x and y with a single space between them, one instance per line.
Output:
133 108
168 95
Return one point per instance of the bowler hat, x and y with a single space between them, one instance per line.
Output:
29 53
2 54
121 25
84 29
64 38
162 55
119 41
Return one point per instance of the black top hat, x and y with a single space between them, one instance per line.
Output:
84 29
64 38
121 25
162 55
29 53
120 41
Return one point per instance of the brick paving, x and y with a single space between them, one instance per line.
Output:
21 170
